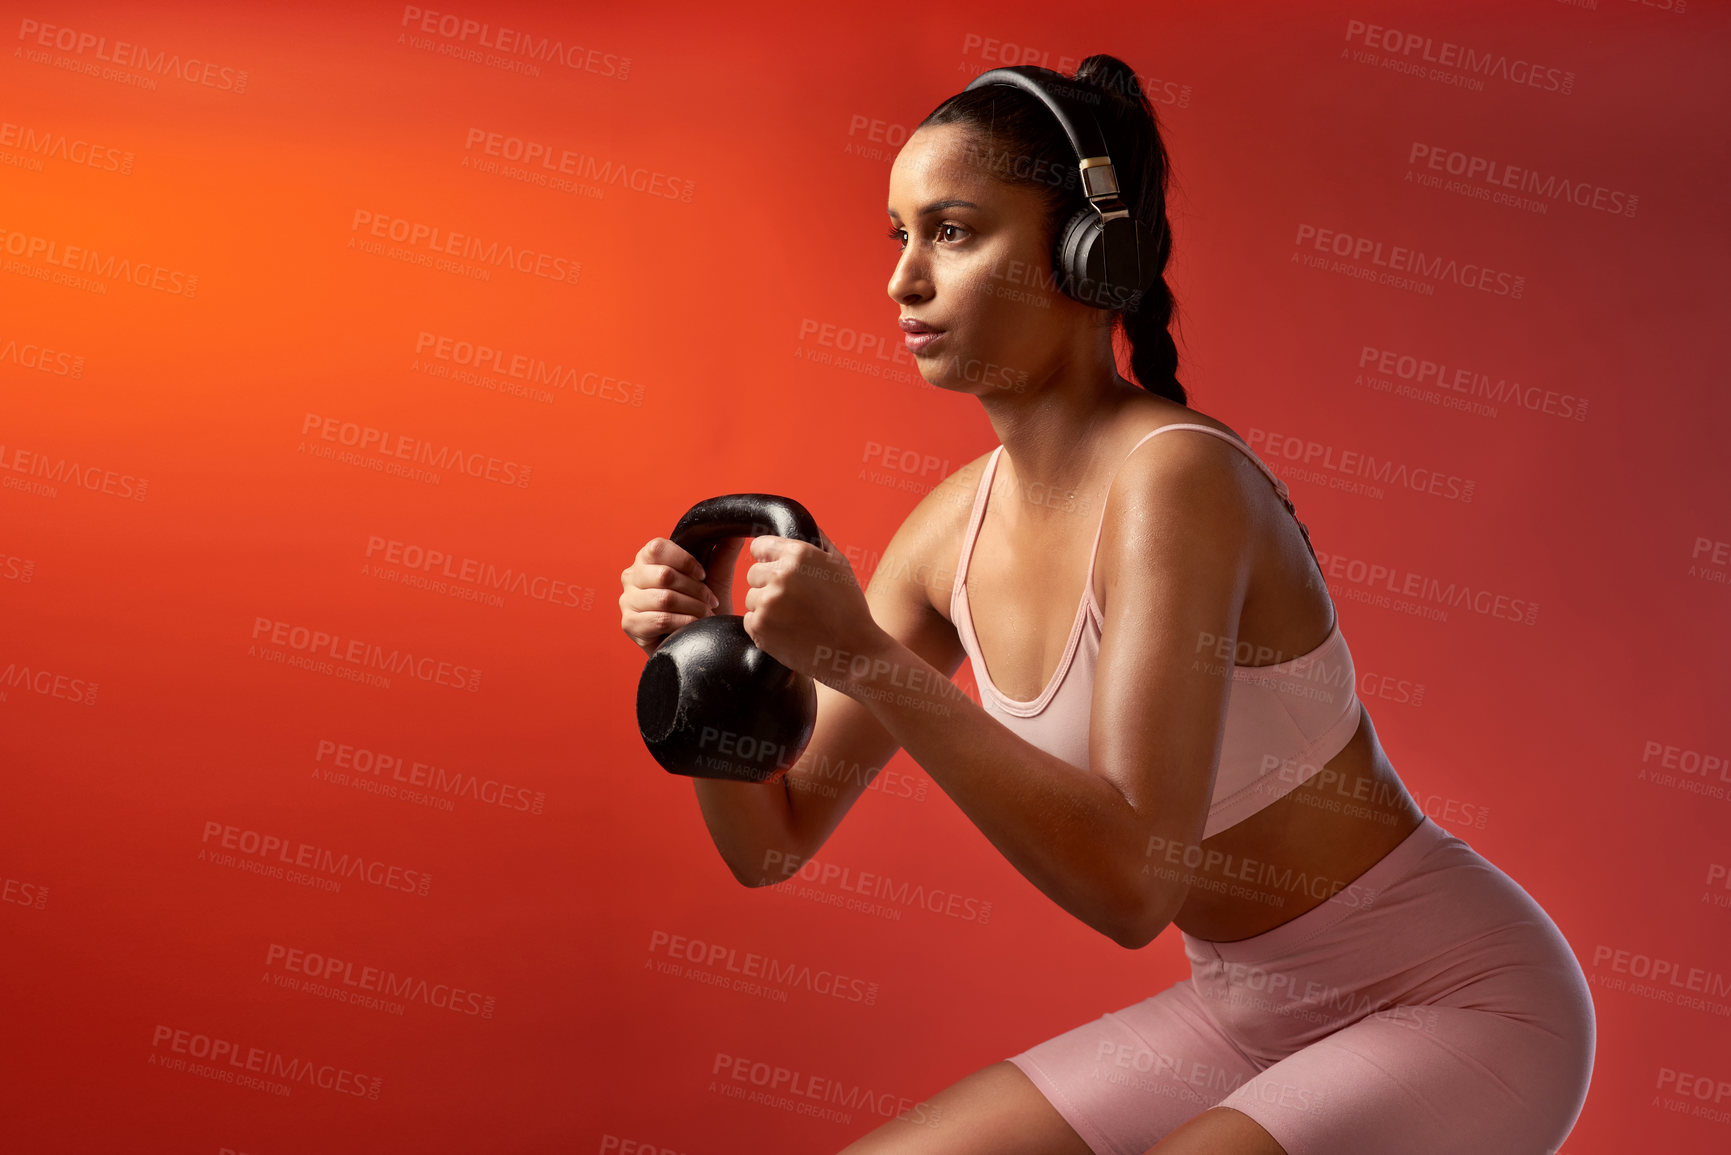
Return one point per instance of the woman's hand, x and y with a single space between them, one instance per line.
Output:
665 589
806 610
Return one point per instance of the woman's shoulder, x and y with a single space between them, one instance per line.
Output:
1157 413
945 513
1209 479
928 543
1183 442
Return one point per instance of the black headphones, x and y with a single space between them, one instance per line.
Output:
1105 256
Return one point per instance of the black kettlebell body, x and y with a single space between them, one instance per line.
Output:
710 704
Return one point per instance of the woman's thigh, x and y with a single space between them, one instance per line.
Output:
1133 1076
1425 1080
994 1111
1112 1086
1439 1009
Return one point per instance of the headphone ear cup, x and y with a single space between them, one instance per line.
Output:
1134 254
1079 260
1140 255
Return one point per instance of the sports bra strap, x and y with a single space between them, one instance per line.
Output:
991 468
1280 487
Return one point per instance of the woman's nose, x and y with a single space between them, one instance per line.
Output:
909 281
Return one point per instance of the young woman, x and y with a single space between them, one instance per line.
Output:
1170 732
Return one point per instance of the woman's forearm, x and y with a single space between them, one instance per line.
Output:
747 822
1069 832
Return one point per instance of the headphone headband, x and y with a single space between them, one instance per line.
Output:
1068 102
1105 255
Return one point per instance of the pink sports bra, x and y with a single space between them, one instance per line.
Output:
1282 721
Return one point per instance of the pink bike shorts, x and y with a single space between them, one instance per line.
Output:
1445 1014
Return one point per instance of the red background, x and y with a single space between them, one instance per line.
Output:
1546 744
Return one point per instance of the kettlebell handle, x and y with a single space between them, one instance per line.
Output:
716 520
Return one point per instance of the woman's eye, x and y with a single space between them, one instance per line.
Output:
900 236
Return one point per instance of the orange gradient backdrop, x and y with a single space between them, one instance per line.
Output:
194 296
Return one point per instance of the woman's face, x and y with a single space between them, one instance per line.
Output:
976 263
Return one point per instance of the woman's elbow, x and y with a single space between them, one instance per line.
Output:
767 868
1139 936
1144 924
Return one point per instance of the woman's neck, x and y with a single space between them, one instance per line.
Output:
1054 436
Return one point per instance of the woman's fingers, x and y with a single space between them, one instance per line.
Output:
663 600
663 565
663 592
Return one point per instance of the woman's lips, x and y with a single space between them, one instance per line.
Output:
916 335
917 341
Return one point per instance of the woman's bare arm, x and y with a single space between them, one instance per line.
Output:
1176 579
764 831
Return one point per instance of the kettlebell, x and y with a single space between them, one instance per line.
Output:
710 704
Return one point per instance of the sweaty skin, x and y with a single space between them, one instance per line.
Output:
974 263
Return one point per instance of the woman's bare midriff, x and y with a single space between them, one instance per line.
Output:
1294 854
1314 841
